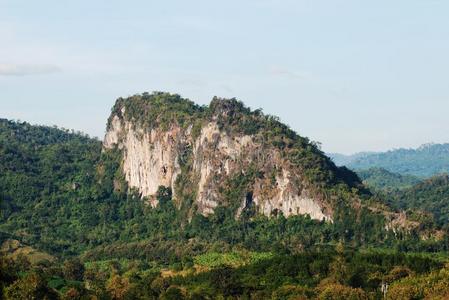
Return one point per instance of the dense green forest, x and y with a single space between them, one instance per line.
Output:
431 195
410 193
70 229
425 161
381 179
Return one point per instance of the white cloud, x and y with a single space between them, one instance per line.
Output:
27 69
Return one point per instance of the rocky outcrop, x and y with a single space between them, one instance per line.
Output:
288 198
152 157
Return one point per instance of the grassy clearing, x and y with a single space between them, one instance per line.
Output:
233 259
14 249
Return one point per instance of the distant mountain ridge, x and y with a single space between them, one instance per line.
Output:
346 159
424 161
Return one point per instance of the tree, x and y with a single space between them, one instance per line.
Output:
341 292
225 281
173 293
164 195
73 269
338 269
118 287
31 287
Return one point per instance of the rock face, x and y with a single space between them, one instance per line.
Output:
217 161
150 159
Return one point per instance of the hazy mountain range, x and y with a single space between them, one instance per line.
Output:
424 161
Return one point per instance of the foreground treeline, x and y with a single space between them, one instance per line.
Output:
327 273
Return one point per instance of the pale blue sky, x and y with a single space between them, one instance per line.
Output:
354 75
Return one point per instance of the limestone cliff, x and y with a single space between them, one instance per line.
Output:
223 155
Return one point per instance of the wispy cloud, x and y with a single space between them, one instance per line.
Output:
277 71
27 69
227 88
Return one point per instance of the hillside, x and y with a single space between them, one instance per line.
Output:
46 175
182 201
425 161
381 179
431 195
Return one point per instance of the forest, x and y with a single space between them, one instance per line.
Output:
70 228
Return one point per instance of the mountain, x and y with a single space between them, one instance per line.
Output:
425 161
224 155
381 179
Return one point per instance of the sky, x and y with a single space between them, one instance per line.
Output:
353 75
